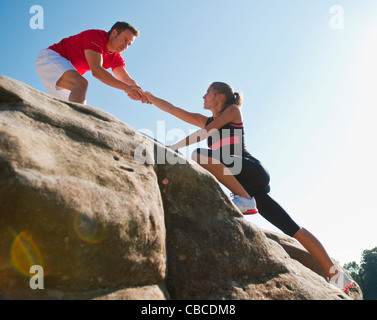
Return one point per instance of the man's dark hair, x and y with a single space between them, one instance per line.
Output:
120 26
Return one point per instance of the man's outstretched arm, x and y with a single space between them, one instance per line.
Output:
122 74
95 63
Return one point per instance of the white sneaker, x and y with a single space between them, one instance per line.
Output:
246 206
341 281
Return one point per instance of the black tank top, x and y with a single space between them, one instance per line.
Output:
229 138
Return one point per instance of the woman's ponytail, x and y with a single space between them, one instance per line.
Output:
237 99
231 97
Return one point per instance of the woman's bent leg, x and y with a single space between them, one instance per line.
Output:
222 174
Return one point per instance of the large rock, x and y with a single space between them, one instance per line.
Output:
74 200
214 253
297 252
97 206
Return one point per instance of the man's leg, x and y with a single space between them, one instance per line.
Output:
77 84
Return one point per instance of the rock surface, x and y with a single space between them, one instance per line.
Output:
94 203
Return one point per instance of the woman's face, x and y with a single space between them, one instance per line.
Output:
210 98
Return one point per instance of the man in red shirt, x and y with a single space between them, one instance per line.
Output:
62 65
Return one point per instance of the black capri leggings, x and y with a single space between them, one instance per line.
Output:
255 179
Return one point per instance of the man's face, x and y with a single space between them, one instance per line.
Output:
120 42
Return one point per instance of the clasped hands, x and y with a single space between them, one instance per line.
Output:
136 93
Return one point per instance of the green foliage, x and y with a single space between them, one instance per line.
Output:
365 274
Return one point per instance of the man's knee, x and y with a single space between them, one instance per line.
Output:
72 80
81 83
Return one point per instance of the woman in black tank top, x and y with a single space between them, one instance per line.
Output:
229 161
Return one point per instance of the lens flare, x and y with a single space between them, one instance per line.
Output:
88 229
25 253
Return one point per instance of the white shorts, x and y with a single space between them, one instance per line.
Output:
50 66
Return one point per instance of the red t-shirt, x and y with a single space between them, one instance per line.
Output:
73 49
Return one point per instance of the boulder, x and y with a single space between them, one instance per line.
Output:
74 200
297 252
214 253
106 214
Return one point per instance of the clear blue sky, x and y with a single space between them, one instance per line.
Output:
309 89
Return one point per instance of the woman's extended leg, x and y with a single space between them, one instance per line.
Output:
315 248
311 243
275 214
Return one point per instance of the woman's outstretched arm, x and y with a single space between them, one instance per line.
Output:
228 115
195 137
195 119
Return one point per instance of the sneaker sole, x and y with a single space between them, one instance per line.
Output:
349 286
252 211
